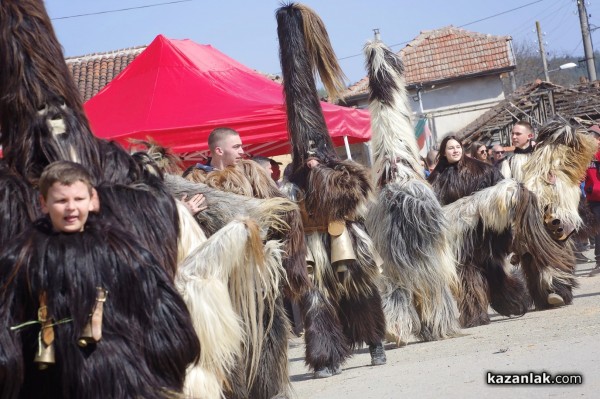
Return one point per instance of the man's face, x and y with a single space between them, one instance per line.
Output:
68 206
498 153
520 136
230 150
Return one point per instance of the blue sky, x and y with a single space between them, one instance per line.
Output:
246 30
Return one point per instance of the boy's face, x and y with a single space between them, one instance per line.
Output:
68 206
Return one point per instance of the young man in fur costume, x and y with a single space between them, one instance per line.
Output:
554 172
521 136
70 300
335 194
226 149
406 222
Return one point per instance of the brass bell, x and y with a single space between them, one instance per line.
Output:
86 337
341 243
44 356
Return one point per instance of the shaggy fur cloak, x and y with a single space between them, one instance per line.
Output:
332 191
147 336
406 221
482 248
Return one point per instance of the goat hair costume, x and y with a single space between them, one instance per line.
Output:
553 172
60 274
335 194
43 121
482 234
406 221
260 365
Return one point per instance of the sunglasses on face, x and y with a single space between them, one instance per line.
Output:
498 152
482 151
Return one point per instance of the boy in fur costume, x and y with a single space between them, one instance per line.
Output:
82 302
407 221
335 194
481 269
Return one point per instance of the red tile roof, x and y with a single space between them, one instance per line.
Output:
449 53
94 71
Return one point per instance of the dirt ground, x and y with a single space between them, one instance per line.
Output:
558 341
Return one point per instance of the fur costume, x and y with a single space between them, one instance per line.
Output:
482 234
553 173
268 376
517 208
237 337
67 269
42 121
250 179
406 222
335 195
512 166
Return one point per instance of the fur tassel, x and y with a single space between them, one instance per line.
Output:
297 26
395 149
18 206
191 235
326 344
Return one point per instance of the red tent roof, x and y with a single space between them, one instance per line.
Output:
177 91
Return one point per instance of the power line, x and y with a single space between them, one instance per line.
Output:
501 13
121 9
461 26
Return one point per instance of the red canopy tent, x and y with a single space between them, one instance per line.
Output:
177 91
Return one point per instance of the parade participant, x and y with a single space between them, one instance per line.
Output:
481 263
84 303
406 222
554 172
335 194
521 137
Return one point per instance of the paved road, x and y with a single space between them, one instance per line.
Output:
558 341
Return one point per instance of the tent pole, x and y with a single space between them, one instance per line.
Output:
348 154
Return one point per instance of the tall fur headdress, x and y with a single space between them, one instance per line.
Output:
41 111
395 148
305 49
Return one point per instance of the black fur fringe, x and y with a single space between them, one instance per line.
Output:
306 124
326 344
35 87
147 336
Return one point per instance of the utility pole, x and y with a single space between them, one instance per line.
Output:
545 63
587 40
542 51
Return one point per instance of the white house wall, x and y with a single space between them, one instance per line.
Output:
454 105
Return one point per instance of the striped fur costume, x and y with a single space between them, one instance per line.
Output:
406 222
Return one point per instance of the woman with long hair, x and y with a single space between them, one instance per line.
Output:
479 151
